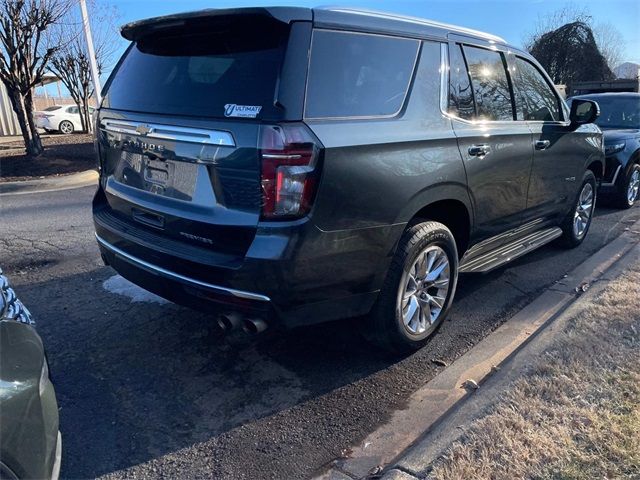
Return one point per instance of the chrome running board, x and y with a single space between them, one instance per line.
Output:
506 253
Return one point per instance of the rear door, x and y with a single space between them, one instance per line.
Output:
496 150
180 123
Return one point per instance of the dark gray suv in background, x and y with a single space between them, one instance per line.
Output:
292 166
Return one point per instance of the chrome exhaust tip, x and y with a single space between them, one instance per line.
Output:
254 326
229 321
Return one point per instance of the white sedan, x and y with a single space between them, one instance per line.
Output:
62 118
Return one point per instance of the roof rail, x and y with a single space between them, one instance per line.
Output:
416 20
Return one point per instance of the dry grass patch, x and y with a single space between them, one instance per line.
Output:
576 413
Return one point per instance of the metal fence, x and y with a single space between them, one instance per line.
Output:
8 120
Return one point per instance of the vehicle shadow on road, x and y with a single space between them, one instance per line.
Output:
138 380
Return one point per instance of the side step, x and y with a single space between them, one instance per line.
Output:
506 253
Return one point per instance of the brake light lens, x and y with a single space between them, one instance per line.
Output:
289 155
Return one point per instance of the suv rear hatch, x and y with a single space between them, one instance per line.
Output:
180 128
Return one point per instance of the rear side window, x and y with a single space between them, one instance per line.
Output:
460 92
358 75
536 99
206 72
491 88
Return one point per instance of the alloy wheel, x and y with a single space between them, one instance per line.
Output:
584 209
424 290
66 128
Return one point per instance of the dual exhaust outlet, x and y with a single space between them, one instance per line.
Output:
232 321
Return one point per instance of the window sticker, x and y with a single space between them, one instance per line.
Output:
241 111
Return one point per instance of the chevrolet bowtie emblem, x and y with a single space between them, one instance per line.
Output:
144 129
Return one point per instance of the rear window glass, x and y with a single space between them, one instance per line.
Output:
358 75
203 73
491 89
460 91
52 109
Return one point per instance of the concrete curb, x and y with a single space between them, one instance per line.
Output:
50 184
431 405
416 462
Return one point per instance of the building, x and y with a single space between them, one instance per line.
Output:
620 85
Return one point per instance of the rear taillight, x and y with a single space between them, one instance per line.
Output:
289 155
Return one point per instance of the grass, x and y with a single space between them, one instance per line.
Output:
576 413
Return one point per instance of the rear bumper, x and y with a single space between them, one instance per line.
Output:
44 123
292 274
175 286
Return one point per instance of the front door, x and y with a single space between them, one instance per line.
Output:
557 162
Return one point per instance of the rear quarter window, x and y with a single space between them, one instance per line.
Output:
358 75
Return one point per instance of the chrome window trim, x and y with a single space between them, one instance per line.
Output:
176 276
444 78
361 117
169 132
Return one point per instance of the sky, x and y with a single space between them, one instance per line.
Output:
510 19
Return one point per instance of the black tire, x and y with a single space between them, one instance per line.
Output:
67 129
621 196
385 326
570 238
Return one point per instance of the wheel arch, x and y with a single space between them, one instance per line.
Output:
597 165
449 205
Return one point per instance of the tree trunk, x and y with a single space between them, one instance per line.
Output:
35 136
85 112
32 145
83 119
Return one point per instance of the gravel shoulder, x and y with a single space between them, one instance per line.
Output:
63 155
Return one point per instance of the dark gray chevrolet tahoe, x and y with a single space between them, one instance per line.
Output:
291 166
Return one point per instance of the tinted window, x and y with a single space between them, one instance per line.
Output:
536 99
460 93
72 109
356 75
490 84
199 72
53 108
618 111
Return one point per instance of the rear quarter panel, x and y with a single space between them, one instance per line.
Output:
382 171
377 174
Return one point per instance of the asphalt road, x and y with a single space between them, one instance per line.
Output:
149 389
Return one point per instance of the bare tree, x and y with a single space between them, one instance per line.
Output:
610 43
24 56
71 63
608 39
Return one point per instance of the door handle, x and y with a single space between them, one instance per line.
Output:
542 144
479 150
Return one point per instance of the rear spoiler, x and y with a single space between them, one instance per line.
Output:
135 30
